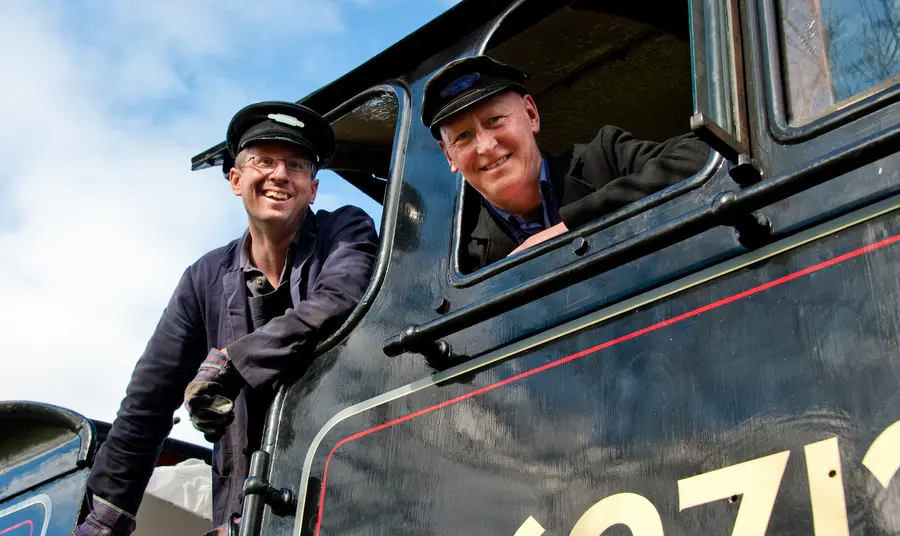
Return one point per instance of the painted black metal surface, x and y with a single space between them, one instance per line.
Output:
768 359
728 208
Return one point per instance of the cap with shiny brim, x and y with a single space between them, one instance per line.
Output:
471 98
281 121
273 131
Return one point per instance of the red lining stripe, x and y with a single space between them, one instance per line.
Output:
22 524
602 346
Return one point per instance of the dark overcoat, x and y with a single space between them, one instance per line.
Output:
332 265
589 181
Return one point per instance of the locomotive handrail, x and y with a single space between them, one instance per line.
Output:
726 209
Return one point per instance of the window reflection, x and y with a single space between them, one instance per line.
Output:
364 140
835 50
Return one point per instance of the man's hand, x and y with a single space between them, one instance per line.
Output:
209 398
542 236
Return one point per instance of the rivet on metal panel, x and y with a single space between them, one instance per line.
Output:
440 305
580 246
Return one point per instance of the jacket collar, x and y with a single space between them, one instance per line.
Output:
233 256
561 168
304 246
486 226
235 287
475 209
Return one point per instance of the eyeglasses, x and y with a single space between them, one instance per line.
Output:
267 164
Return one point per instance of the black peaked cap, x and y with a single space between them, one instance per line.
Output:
281 121
462 83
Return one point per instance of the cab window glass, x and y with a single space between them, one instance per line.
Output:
837 51
364 139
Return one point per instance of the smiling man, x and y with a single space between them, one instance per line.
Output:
243 319
485 122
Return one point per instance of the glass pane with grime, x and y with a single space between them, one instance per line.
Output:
836 52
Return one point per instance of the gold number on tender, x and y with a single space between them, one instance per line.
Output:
757 481
530 528
883 457
629 509
826 488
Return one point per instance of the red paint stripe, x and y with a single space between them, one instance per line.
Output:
602 346
22 524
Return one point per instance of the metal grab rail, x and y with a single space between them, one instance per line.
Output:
728 208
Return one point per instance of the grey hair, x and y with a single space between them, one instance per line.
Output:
241 158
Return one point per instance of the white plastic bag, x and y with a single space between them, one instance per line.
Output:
187 485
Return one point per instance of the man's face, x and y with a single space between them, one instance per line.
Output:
492 143
276 197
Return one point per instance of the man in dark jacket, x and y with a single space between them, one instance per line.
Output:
485 121
243 318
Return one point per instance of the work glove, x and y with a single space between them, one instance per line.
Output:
105 519
209 398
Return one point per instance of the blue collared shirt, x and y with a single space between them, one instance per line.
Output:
521 228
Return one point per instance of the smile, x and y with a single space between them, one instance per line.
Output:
276 195
495 164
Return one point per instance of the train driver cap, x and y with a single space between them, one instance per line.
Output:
464 82
281 121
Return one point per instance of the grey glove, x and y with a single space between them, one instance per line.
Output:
209 398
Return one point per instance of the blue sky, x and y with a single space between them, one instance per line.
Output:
103 105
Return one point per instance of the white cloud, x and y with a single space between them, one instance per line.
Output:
102 110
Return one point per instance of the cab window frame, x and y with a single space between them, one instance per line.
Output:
390 206
717 91
860 105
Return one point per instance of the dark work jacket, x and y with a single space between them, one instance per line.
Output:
589 181
332 264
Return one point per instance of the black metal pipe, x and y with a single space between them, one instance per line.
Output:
724 210
251 514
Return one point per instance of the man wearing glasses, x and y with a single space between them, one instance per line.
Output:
243 319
